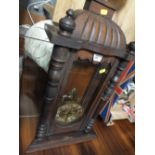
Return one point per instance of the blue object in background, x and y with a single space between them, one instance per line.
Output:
23 4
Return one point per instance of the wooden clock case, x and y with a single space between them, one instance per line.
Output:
93 34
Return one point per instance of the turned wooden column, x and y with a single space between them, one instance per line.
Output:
59 57
110 87
121 67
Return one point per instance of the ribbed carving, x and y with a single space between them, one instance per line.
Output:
98 29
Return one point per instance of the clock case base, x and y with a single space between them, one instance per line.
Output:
61 140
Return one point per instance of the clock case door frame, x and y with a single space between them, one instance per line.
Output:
88 99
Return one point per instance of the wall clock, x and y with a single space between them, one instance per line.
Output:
82 41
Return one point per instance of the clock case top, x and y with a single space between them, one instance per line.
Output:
95 34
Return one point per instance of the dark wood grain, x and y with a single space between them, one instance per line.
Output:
113 140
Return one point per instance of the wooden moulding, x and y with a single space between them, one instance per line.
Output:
61 140
85 45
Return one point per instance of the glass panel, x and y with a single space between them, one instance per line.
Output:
70 109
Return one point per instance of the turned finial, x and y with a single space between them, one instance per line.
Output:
67 23
131 47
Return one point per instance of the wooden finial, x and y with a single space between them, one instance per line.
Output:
67 24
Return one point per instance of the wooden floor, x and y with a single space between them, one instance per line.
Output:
113 140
